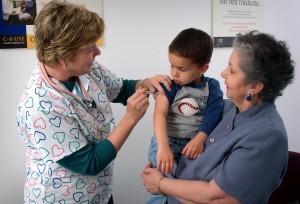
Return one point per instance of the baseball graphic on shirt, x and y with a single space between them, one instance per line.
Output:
188 107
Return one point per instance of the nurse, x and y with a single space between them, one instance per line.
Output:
64 115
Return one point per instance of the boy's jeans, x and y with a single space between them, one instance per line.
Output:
176 145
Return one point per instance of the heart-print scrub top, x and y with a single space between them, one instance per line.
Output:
54 125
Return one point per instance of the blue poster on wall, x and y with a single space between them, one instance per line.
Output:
17 15
16 24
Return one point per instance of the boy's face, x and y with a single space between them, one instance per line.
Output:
184 71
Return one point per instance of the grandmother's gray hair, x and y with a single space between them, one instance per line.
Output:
264 59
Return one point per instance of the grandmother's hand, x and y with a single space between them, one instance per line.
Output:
154 83
151 177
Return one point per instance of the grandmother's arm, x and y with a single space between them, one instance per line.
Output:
186 191
195 192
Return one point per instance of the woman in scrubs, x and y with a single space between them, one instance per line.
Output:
64 115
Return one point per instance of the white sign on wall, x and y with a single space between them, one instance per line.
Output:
236 16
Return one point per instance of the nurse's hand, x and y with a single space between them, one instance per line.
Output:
153 83
137 105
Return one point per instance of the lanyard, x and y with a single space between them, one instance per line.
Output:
86 100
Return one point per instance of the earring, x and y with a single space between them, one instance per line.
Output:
249 97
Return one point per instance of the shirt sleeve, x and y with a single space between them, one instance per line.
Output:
214 108
91 159
127 90
171 94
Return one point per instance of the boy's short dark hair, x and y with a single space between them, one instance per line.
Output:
194 44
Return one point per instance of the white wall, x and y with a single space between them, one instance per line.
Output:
137 36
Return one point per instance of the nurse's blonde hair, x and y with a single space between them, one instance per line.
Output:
62 28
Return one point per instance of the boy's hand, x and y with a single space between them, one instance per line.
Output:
195 147
165 160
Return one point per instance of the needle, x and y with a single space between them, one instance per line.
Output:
149 92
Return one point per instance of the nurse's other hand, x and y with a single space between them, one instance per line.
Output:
154 83
137 105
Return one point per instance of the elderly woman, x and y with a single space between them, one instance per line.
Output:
245 157
64 115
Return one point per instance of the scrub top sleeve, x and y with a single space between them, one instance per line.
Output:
254 166
127 90
112 83
91 159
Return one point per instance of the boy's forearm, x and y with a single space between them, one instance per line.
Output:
160 129
201 136
160 119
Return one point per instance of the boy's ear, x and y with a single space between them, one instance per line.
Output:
204 68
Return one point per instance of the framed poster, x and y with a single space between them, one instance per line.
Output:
235 16
16 25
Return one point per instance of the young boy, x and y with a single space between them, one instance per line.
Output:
186 115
